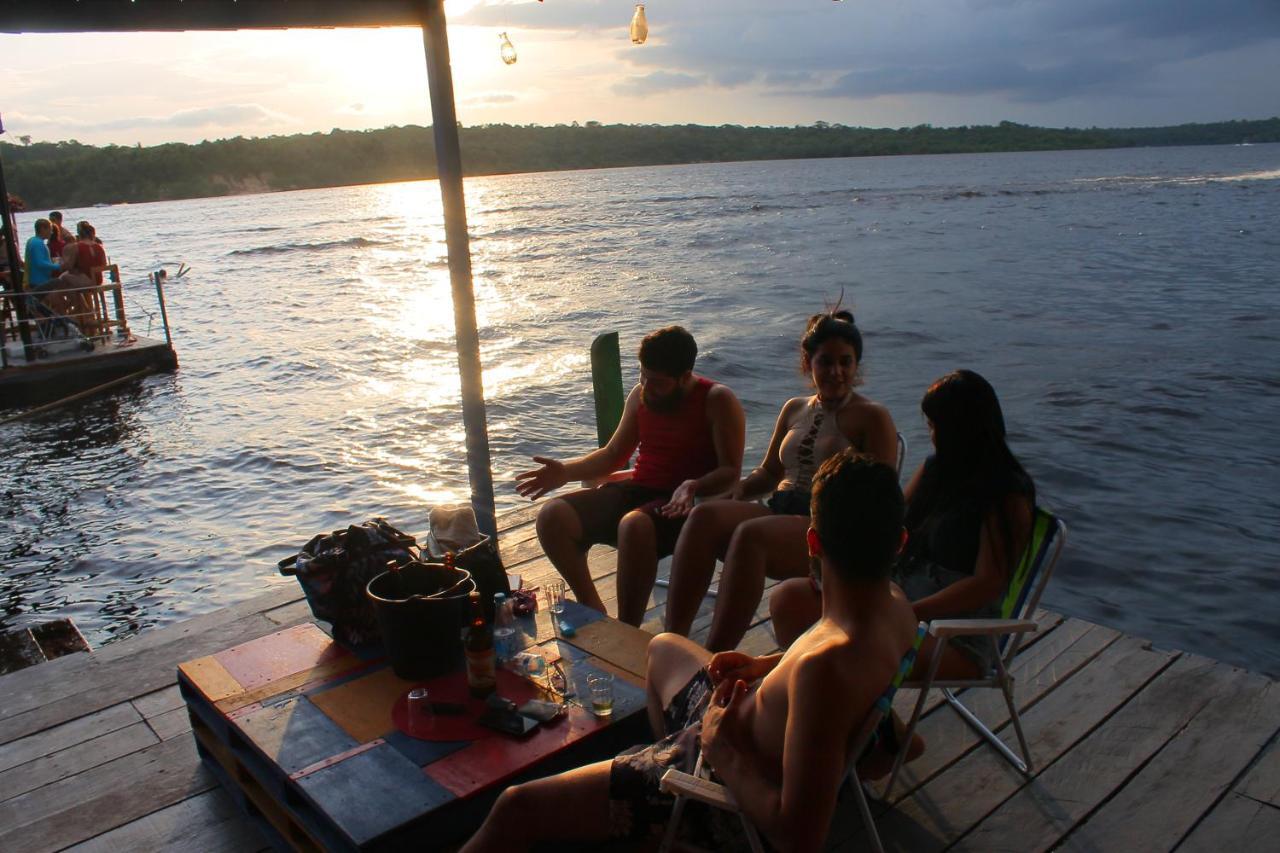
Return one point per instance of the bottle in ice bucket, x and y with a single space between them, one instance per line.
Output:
504 626
482 676
397 588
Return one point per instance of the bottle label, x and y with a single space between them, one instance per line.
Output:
481 669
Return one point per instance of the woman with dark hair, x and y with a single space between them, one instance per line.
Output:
758 540
969 512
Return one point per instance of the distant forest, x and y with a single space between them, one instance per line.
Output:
69 174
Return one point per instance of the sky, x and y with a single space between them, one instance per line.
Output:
893 63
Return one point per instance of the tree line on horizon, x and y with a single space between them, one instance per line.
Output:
71 174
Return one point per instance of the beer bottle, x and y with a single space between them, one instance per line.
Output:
482 676
397 580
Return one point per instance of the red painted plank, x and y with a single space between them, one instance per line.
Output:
494 760
259 662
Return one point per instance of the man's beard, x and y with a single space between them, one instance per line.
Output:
665 404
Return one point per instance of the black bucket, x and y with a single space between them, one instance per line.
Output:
422 614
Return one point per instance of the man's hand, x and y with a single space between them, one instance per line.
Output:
737 666
534 484
681 502
719 735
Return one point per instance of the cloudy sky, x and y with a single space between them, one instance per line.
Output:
892 63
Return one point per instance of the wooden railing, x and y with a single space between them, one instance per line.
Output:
84 307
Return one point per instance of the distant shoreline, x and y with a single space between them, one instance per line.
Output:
70 174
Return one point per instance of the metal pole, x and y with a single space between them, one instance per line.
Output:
444 122
16 285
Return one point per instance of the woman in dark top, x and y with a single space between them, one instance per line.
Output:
969 511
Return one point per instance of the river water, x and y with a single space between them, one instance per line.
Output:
1123 303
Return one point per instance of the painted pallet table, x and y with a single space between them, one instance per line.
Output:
311 739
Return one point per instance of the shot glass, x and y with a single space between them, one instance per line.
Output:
555 597
601 685
421 717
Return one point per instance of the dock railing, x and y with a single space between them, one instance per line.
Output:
83 317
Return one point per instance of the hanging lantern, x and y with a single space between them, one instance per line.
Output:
639 26
508 49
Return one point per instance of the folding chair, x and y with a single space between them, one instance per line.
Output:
698 786
1048 536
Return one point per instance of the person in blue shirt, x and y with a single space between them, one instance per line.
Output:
40 267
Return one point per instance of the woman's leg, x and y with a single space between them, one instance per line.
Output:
572 806
774 546
955 663
704 539
794 605
672 661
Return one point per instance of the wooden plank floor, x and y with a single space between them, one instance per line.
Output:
1136 748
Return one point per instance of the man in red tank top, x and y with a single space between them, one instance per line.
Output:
690 433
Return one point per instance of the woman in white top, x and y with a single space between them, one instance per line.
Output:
757 540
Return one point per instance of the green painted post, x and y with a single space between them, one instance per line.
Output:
606 382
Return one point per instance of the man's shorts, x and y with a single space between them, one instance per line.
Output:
637 806
600 509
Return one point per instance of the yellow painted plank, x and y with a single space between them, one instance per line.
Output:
363 707
621 645
211 678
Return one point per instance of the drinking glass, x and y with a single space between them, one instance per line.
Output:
555 597
601 685
421 717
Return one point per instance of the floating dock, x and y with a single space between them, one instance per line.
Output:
1135 747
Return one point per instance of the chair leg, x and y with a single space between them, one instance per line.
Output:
665 583
911 726
1026 766
677 809
753 837
868 820
673 826
990 736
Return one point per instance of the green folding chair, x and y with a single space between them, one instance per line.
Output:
1048 536
698 786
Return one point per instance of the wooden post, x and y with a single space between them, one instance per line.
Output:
17 285
444 123
158 278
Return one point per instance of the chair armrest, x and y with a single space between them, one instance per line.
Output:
696 788
943 628
615 477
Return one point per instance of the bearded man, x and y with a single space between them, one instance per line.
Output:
689 432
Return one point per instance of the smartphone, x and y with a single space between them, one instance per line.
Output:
507 722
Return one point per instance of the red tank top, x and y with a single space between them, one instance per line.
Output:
676 446
89 255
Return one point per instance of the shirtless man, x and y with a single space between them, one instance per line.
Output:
690 433
776 729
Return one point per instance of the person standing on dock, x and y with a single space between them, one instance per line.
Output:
59 236
40 267
690 433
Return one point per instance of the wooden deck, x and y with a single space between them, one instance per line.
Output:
1136 748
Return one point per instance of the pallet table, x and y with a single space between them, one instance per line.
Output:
310 738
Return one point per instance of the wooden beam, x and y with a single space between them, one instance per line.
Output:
67 16
444 126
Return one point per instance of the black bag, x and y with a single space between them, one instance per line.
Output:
485 566
335 568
